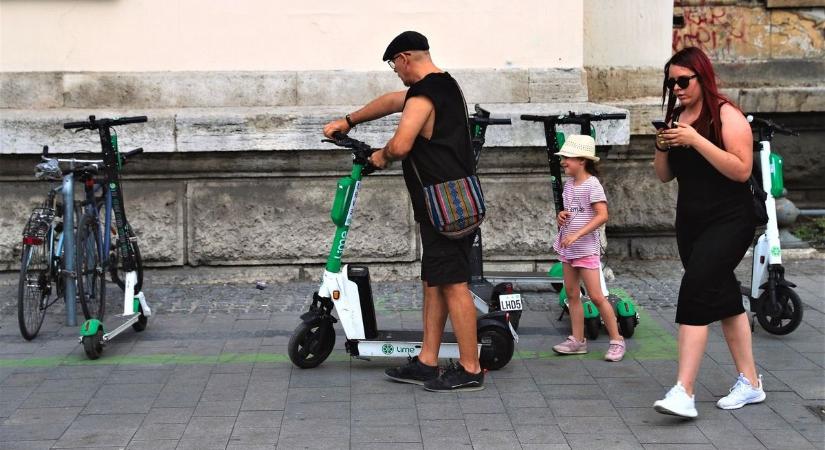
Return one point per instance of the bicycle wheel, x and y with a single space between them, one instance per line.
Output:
115 268
91 279
34 289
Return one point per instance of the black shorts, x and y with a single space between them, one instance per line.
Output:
445 260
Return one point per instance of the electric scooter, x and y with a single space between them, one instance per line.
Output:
771 297
623 305
486 296
347 290
136 309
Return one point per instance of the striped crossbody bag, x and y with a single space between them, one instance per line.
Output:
456 208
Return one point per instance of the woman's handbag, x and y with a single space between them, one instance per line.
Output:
758 196
456 208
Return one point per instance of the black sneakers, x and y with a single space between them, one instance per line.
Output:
456 379
414 372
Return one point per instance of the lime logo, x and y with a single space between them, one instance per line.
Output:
775 251
387 349
112 186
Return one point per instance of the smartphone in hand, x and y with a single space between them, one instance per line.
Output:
659 124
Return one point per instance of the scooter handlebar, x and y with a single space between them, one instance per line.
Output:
765 123
94 123
361 151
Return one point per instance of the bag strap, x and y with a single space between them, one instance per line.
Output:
415 169
466 126
466 122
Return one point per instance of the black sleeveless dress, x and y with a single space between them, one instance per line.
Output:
715 225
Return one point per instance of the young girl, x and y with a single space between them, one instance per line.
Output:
578 245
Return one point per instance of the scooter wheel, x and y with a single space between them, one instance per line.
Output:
311 344
785 317
627 325
497 347
591 328
557 286
93 345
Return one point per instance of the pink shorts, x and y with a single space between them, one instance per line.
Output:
587 262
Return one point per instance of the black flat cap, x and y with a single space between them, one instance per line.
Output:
404 42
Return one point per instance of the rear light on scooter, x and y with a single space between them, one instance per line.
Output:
509 288
507 317
32 240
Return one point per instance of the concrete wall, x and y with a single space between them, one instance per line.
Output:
626 33
265 35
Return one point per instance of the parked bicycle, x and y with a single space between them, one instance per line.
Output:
50 256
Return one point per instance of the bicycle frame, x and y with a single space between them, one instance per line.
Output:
104 229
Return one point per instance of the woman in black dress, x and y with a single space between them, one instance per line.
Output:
708 150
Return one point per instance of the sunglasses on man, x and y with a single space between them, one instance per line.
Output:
683 82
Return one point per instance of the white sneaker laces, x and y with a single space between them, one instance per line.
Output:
742 385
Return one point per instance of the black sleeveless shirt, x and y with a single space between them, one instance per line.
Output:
448 154
705 194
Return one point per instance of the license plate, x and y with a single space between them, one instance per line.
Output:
510 302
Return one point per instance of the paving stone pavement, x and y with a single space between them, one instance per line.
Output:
211 371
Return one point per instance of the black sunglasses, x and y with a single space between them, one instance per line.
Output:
683 82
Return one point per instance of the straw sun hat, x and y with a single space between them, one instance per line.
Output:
579 146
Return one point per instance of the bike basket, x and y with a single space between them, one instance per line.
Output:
37 226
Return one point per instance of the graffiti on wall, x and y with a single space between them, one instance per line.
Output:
724 32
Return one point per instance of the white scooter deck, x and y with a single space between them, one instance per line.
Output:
401 343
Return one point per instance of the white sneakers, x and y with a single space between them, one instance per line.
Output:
742 393
677 402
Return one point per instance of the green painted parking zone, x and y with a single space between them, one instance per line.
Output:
649 342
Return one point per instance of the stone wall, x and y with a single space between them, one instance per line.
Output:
249 182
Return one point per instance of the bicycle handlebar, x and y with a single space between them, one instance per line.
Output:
771 126
44 155
94 124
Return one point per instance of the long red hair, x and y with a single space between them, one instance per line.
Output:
695 59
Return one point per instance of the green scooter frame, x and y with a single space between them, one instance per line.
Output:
622 303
